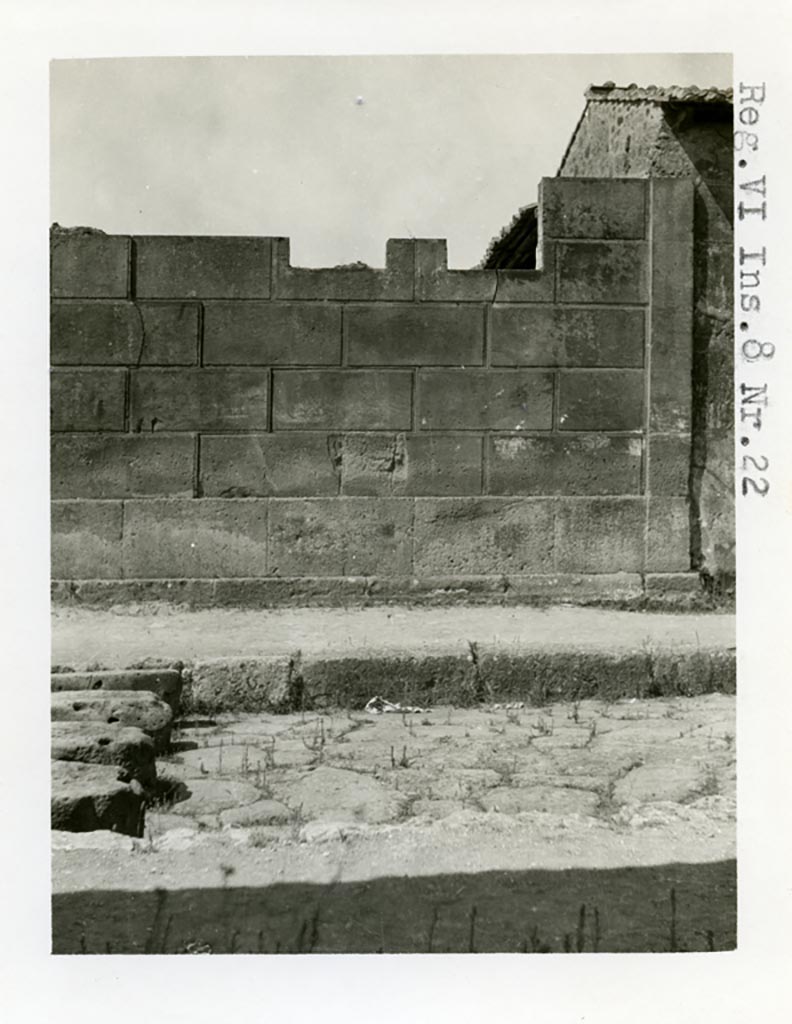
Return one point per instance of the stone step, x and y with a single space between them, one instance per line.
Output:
137 709
165 683
126 747
87 797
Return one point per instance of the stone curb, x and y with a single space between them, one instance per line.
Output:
463 679
651 591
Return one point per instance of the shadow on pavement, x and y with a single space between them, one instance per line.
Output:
668 908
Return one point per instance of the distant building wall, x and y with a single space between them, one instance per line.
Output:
635 133
227 427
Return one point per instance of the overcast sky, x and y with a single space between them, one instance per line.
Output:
339 153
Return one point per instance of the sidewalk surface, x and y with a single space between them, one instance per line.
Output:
108 639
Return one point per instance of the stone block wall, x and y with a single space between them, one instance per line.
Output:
227 424
646 138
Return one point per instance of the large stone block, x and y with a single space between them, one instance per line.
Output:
484 400
129 748
456 536
669 464
252 685
668 540
124 333
565 336
271 333
529 285
353 283
87 399
593 208
342 399
601 400
435 282
206 268
607 272
399 464
132 708
601 535
88 264
591 464
86 539
340 537
165 683
204 537
414 335
199 399
89 797
255 465
121 466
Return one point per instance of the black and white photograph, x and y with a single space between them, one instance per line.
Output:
392 596
407 476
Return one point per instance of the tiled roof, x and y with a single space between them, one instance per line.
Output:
515 246
657 94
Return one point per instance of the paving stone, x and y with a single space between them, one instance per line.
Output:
514 800
211 796
334 794
87 797
99 743
132 708
435 808
654 783
262 812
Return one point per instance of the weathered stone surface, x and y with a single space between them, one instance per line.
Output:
207 537
414 335
124 333
601 535
593 208
342 399
340 537
652 783
202 399
591 464
668 541
121 466
88 264
164 683
132 708
566 336
484 399
87 797
335 794
211 796
86 539
400 464
669 464
257 684
557 800
96 743
484 535
601 400
87 399
207 268
602 272
262 812
282 465
271 333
